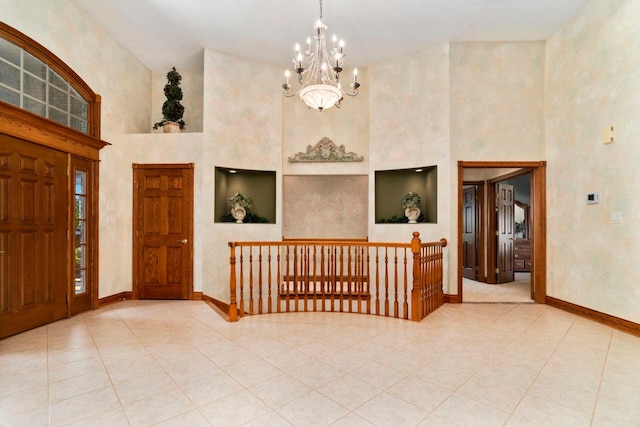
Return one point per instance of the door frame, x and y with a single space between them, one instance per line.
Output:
538 222
92 254
137 237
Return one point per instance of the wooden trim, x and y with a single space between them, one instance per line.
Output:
538 221
502 164
538 231
163 166
305 239
460 185
115 298
196 296
597 316
31 127
452 299
48 57
218 306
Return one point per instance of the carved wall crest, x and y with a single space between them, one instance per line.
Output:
326 151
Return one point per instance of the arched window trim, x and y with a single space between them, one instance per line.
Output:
49 58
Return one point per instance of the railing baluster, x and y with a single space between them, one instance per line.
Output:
395 283
279 278
405 304
250 280
386 281
241 283
342 273
377 281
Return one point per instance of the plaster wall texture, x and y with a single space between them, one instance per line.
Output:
347 125
497 111
593 81
242 111
116 240
112 72
409 127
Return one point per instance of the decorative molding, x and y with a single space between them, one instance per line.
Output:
115 298
218 306
452 299
326 151
597 316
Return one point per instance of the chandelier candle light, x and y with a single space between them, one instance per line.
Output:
320 86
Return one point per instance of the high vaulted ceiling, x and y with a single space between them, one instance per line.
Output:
163 33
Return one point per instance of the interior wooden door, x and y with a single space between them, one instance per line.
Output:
469 233
33 235
506 233
163 227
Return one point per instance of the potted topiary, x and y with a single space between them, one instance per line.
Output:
172 109
239 203
411 203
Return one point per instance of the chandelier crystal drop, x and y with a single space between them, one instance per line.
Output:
318 71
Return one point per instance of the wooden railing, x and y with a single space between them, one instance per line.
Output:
402 280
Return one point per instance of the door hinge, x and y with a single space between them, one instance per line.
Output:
497 233
497 271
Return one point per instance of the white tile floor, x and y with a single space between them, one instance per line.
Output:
177 363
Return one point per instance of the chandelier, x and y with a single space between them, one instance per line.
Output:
320 86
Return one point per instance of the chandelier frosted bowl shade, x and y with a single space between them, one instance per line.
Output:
320 97
318 71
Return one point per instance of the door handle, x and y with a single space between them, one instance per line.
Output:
183 241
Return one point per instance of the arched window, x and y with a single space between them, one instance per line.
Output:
34 79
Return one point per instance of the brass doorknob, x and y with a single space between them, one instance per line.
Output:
183 241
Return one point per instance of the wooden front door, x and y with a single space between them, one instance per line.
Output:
33 235
506 233
163 231
469 230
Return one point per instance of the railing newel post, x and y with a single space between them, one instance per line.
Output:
233 308
416 303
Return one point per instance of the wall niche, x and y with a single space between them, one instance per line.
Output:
259 185
392 185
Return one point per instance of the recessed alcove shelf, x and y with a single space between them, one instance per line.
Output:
391 185
259 185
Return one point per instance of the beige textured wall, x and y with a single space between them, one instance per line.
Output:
239 131
325 206
347 125
593 81
497 101
116 75
497 110
409 127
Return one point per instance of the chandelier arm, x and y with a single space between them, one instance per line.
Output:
319 82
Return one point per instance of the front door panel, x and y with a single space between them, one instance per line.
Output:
33 235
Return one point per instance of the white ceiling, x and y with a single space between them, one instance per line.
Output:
164 33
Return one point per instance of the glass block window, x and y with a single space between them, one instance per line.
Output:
29 83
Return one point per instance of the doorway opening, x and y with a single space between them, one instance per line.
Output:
501 231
